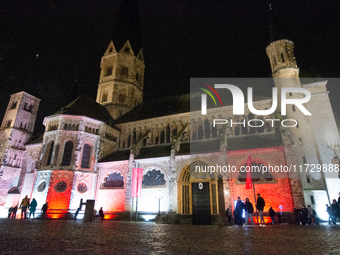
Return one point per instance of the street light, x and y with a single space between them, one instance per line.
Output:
159 196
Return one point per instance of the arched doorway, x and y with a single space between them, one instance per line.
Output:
197 193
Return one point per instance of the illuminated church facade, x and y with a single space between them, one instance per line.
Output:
88 149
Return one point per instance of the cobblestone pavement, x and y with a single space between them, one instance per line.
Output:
113 237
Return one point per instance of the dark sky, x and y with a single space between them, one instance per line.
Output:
181 39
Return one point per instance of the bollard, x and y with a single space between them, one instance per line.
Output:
89 207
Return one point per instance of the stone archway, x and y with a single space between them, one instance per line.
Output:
197 193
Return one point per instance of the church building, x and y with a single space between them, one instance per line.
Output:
89 148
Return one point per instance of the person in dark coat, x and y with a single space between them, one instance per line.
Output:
10 212
272 215
279 217
260 204
32 207
14 211
334 211
228 214
304 215
101 213
44 210
238 212
249 208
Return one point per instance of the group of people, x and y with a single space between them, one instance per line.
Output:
333 211
249 210
26 205
305 216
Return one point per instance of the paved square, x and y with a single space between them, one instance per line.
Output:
112 237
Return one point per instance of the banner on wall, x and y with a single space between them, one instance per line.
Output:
137 177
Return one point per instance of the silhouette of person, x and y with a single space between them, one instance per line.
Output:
10 212
24 204
44 209
32 207
101 213
14 211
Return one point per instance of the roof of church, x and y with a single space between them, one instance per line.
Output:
174 105
85 106
127 26
264 140
37 137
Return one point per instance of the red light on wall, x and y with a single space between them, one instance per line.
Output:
109 217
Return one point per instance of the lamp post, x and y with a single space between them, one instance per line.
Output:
159 196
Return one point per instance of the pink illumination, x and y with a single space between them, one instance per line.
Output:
137 177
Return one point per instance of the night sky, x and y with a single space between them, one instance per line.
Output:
52 49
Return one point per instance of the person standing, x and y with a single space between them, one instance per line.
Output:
279 217
249 208
14 211
10 212
228 214
32 207
309 215
272 215
238 212
328 210
260 204
24 204
334 211
101 213
44 210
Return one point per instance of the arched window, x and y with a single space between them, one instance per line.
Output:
134 136
104 97
67 154
129 141
194 136
50 152
200 132
267 127
206 129
168 134
244 128
162 136
113 180
213 131
85 161
108 70
237 131
153 177
174 132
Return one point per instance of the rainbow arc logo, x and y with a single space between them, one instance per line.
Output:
210 94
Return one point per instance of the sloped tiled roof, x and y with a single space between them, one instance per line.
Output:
85 106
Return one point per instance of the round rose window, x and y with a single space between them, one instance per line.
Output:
82 188
60 186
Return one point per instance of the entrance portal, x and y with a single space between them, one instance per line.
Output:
201 204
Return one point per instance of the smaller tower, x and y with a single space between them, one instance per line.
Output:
17 127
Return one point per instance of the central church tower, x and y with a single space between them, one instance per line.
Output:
121 81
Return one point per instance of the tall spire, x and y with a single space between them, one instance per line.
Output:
128 26
275 30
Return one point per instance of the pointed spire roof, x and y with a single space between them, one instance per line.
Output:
275 29
127 26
